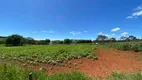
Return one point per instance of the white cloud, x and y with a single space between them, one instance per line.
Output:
44 31
51 31
136 13
124 33
85 31
138 8
75 33
34 32
115 29
107 35
100 33
113 34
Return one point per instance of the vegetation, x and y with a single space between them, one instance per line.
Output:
40 51
14 40
8 72
67 41
52 54
68 76
121 76
133 46
101 38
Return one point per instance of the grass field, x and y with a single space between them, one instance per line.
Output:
52 54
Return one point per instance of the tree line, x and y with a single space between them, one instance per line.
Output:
18 40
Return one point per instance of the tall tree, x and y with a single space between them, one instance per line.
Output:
67 41
112 39
102 38
30 40
123 38
47 41
131 37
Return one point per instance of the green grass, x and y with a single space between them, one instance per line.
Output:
52 54
68 76
8 72
15 73
121 76
126 46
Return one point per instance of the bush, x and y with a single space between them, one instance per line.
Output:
14 40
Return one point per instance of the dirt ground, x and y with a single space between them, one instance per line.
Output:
109 60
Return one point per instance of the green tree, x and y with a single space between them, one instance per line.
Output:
14 40
47 41
30 40
131 37
112 39
102 38
67 41
123 38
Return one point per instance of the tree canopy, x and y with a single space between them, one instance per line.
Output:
14 40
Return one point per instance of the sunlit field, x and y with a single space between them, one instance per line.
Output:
51 54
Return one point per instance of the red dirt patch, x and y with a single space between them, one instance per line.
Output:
110 60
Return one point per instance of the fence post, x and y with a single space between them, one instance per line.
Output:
30 76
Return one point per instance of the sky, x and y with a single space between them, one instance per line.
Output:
74 19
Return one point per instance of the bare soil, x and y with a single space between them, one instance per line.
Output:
109 60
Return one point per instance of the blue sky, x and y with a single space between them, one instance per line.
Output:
77 19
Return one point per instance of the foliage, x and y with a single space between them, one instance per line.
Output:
112 39
29 40
68 76
67 41
121 76
43 42
57 42
8 72
102 38
14 40
125 46
52 54
131 37
82 41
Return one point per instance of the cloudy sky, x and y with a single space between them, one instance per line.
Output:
78 19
